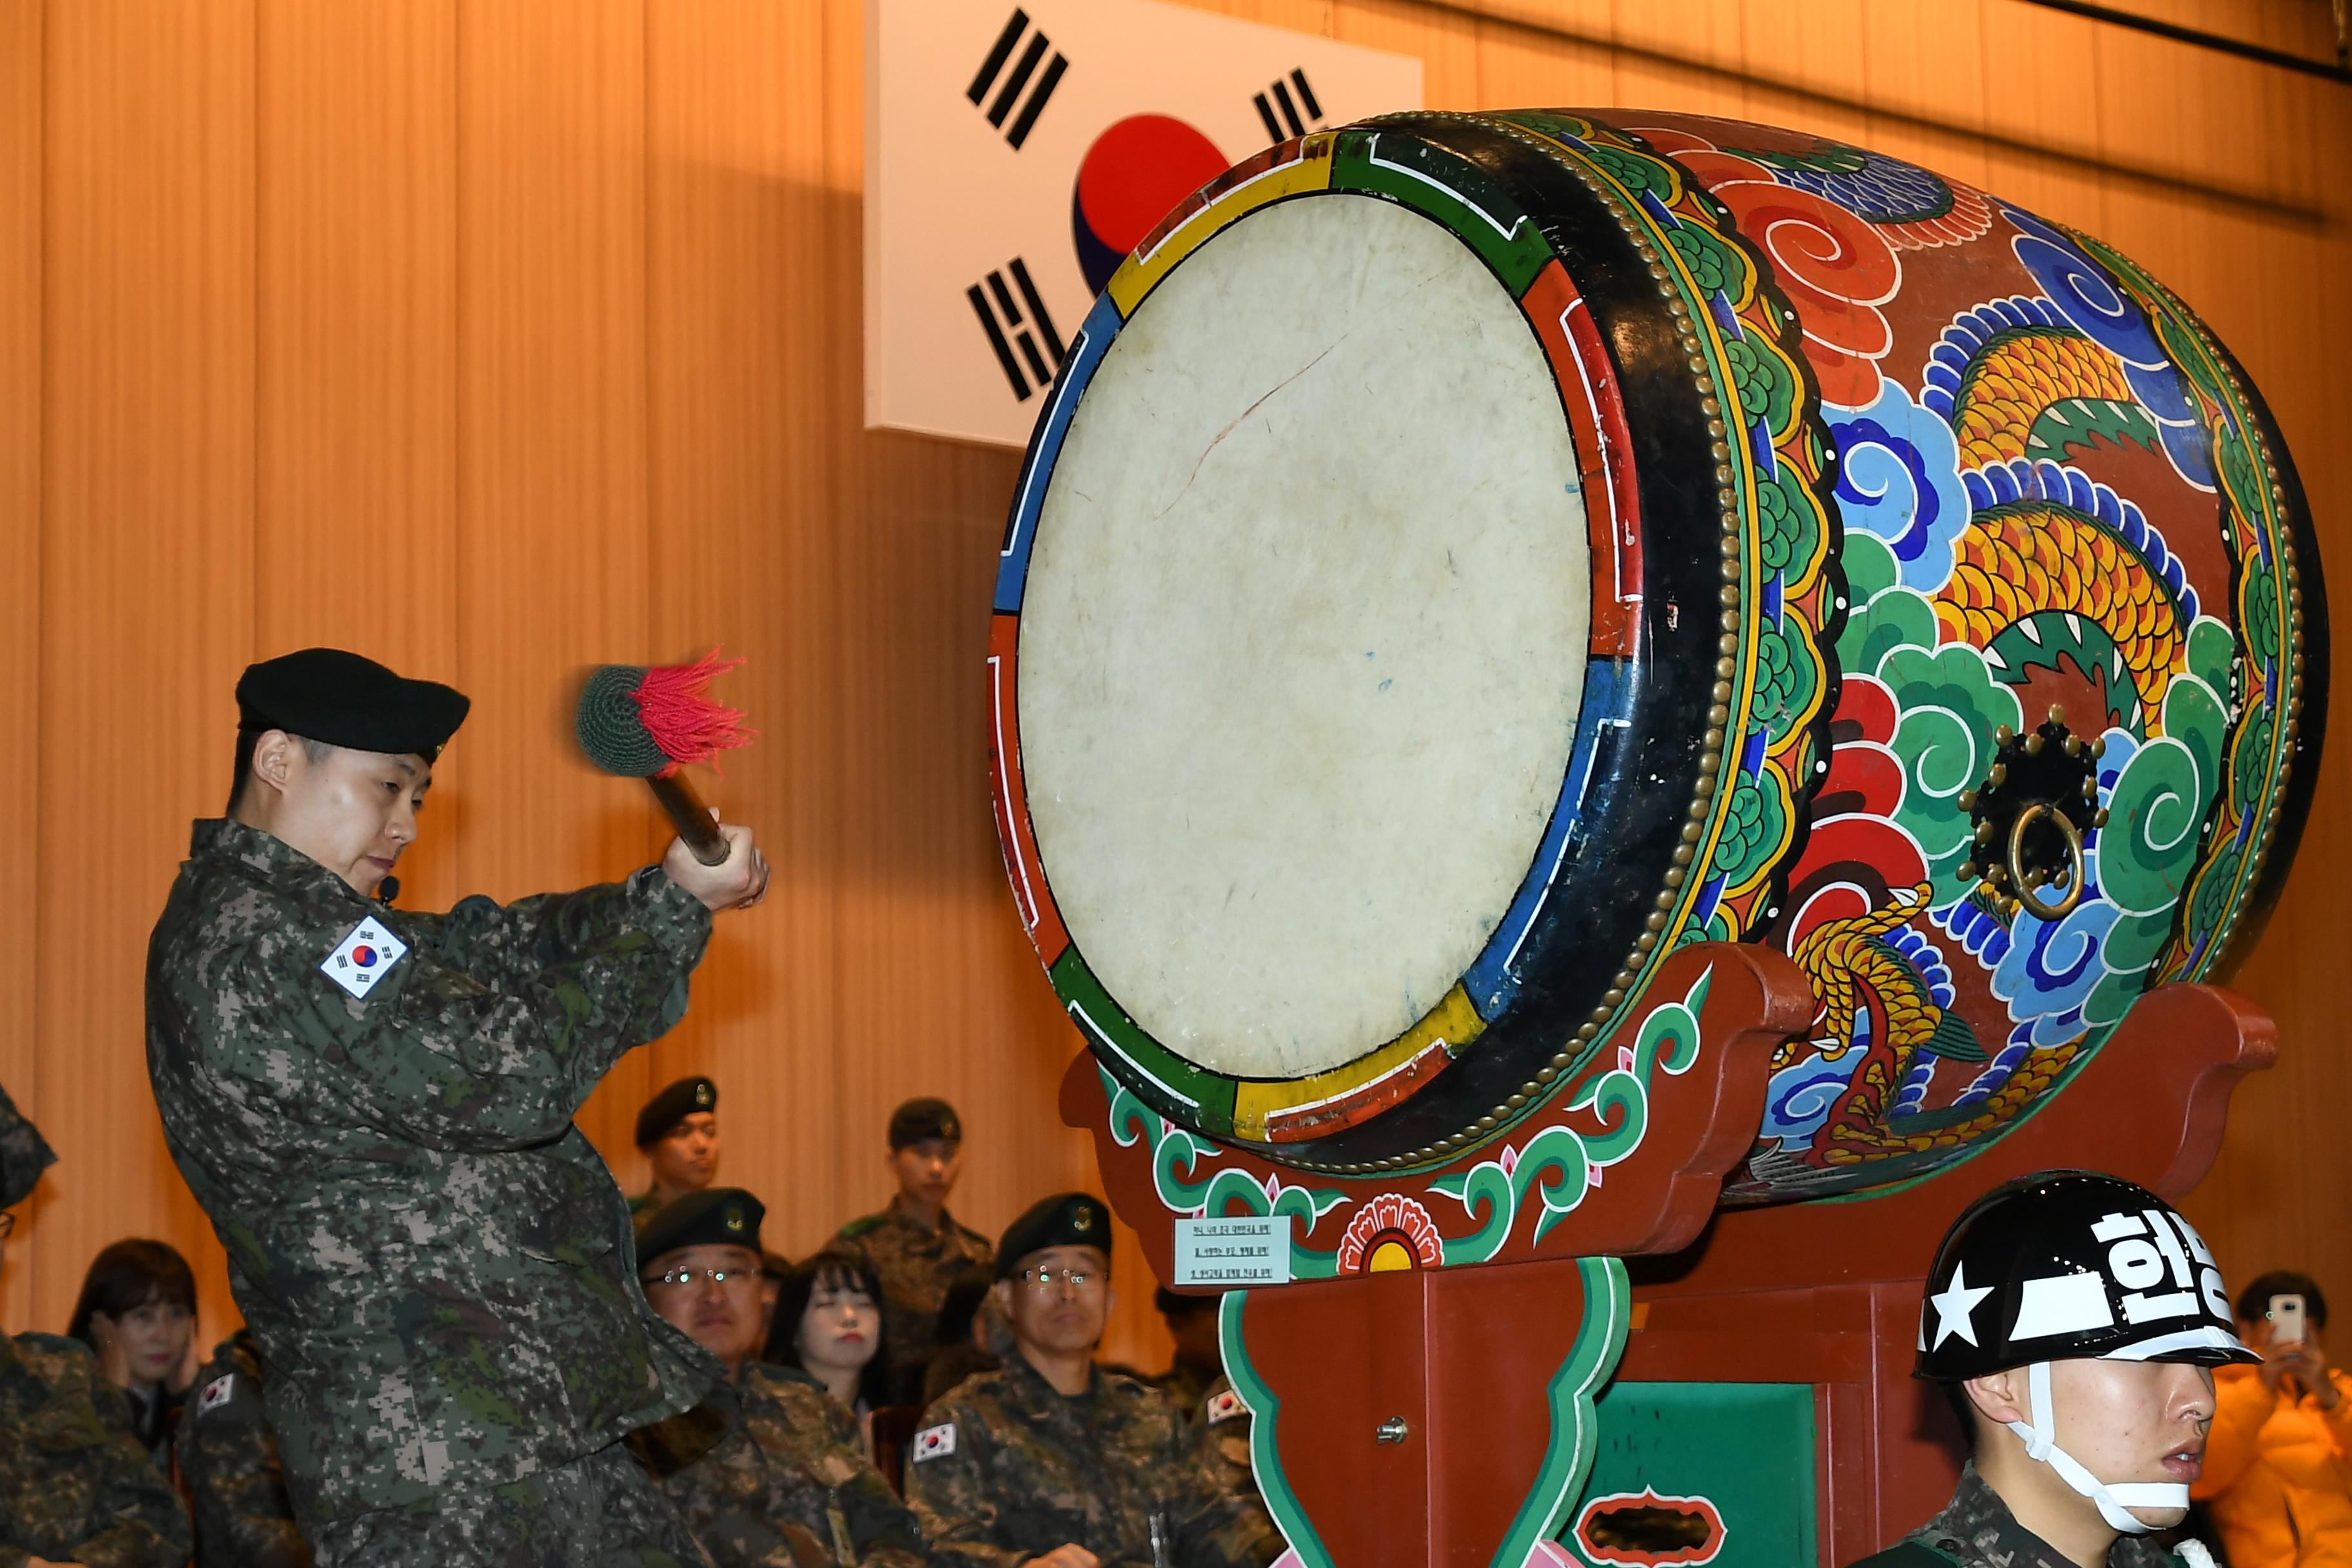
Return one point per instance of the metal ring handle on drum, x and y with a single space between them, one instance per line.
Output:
2021 887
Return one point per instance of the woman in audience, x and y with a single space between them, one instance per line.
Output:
138 1312
828 1323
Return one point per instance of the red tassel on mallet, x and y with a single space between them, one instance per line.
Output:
648 723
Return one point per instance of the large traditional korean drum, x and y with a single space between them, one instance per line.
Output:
1467 556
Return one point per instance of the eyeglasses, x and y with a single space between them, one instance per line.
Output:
1046 1278
7 1225
681 1277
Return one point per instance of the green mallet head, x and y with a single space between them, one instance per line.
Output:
642 722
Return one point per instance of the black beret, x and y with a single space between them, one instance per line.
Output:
920 1119
1065 1219
23 1153
715 1217
325 694
674 1105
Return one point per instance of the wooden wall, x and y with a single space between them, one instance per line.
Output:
501 339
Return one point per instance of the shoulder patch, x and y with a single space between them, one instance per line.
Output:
364 957
858 1227
217 1392
1224 1405
935 1442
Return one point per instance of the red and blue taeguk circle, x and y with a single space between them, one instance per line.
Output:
363 956
1134 172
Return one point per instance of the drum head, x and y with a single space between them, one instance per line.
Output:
1299 697
1350 711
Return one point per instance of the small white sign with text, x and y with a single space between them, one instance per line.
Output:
1252 1250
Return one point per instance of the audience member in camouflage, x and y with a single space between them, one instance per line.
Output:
23 1154
229 1465
1222 1431
375 1109
915 1247
75 1485
1199 1362
766 1469
1053 1458
767 1474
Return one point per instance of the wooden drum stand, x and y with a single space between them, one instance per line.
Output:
1558 1351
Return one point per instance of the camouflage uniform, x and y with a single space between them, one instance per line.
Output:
1223 1428
1011 1468
916 1267
75 1485
433 1261
1977 1530
23 1154
229 1461
768 1475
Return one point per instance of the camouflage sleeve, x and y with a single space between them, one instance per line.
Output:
1216 1525
1223 1449
504 945
236 1483
878 1530
145 1526
948 1486
438 1057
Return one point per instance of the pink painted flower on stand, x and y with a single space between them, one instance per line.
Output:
1389 1231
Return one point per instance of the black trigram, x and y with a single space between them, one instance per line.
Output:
1001 318
1291 118
1024 68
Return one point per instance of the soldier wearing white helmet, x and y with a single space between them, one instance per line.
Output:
2075 1320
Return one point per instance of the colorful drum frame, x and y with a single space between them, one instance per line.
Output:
1721 398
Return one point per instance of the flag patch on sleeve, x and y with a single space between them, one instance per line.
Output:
1224 1404
217 1392
935 1442
364 957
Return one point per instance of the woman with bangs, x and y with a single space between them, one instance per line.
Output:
828 1324
138 1312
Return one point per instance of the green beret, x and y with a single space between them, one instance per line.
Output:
715 1217
23 1153
918 1120
340 698
1065 1219
674 1105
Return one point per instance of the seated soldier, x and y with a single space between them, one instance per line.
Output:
766 1470
678 1132
962 1336
75 1485
2071 1305
229 1464
1223 1428
1192 1323
1052 1457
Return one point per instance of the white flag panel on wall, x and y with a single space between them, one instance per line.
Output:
1015 154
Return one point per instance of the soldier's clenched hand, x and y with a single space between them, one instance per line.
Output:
735 883
1068 1555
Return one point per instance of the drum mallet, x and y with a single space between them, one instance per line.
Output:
648 724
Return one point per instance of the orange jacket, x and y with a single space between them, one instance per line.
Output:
2277 1478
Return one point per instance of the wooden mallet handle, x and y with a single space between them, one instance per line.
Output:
690 818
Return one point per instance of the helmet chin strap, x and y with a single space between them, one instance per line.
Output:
2114 1502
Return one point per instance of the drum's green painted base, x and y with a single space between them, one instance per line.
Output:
1726 1466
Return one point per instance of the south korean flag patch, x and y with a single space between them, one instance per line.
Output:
364 958
1224 1404
217 1392
935 1442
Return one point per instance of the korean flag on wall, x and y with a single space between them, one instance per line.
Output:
1015 152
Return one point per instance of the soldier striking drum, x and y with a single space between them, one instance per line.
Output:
375 1109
